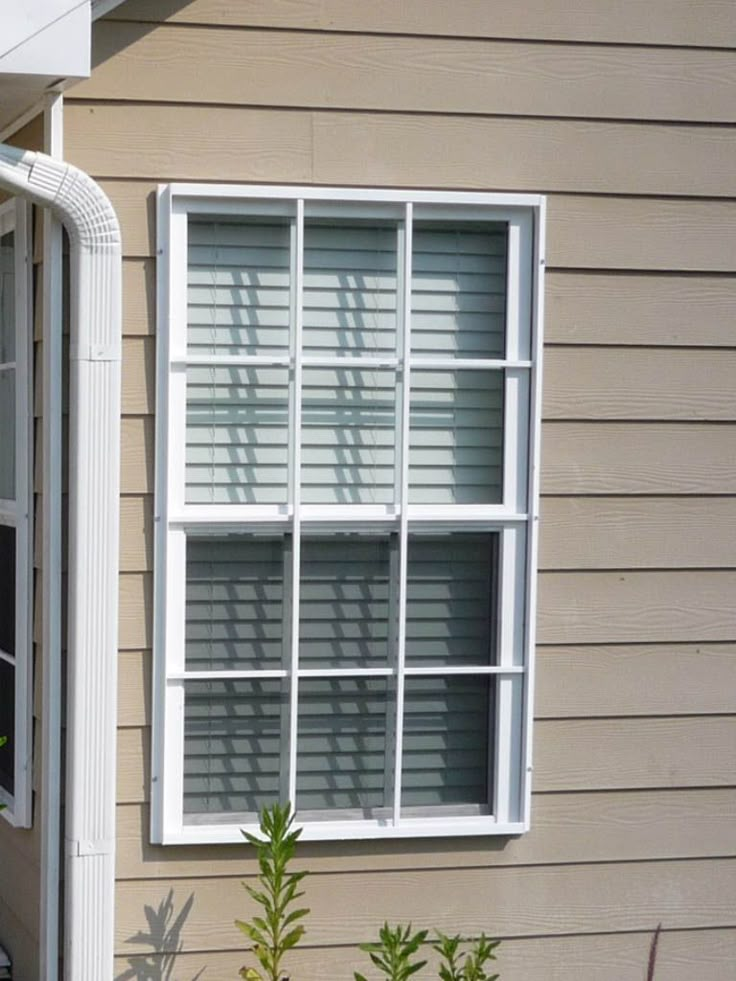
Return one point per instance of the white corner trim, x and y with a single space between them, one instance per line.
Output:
95 317
102 7
51 369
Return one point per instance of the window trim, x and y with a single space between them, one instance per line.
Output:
15 215
526 216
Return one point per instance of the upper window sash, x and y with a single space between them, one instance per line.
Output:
179 203
16 513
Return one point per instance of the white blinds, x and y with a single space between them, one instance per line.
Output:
7 365
346 525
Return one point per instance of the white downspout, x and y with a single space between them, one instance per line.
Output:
94 437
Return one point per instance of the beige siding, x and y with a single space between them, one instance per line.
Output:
665 22
628 130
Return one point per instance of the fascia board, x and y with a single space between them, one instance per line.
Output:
51 38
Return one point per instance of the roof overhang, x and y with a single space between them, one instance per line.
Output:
44 43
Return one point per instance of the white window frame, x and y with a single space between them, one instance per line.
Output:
515 519
15 216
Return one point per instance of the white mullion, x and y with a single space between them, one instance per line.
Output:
405 326
390 762
297 289
229 361
446 671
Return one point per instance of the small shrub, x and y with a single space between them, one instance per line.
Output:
277 930
468 965
394 951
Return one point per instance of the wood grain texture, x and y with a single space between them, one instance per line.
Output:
608 754
232 144
139 292
636 533
635 607
136 533
612 233
570 754
135 616
683 956
138 396
522 902
136 455
634 679
411 74
711 23
583 233
625 383
580 681
651 309
638 458
566 828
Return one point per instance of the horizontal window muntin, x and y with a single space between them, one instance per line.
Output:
372 379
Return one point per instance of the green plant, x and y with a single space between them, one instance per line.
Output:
457 964
277 929
394 951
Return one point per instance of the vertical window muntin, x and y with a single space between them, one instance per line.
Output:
15 511
506 518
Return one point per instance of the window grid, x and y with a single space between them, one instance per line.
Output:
15 510
508 520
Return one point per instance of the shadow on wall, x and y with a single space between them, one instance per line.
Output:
164 939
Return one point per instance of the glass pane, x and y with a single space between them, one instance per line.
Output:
458 290
451 601
237 435
7 725
7 433
446 753
238 287
7 297
456 437
341 746
349 288
348 439
7 593
232 733
234 603
344 602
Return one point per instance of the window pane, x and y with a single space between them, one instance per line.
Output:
456 437
341 745
7 593
344 602
446 755
458 290
349 288
238 287
7 725
232 735
450 600
7 433
237 435
348 440
7 297
234 603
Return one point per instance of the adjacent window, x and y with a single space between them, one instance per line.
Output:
15 442
345 510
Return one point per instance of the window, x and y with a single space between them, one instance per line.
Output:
345 507
15 571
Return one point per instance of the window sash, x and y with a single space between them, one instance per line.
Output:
15 513
511 517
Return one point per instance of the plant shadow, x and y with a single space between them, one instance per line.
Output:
164 938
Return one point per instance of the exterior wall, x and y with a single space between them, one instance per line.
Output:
20 849
630 135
